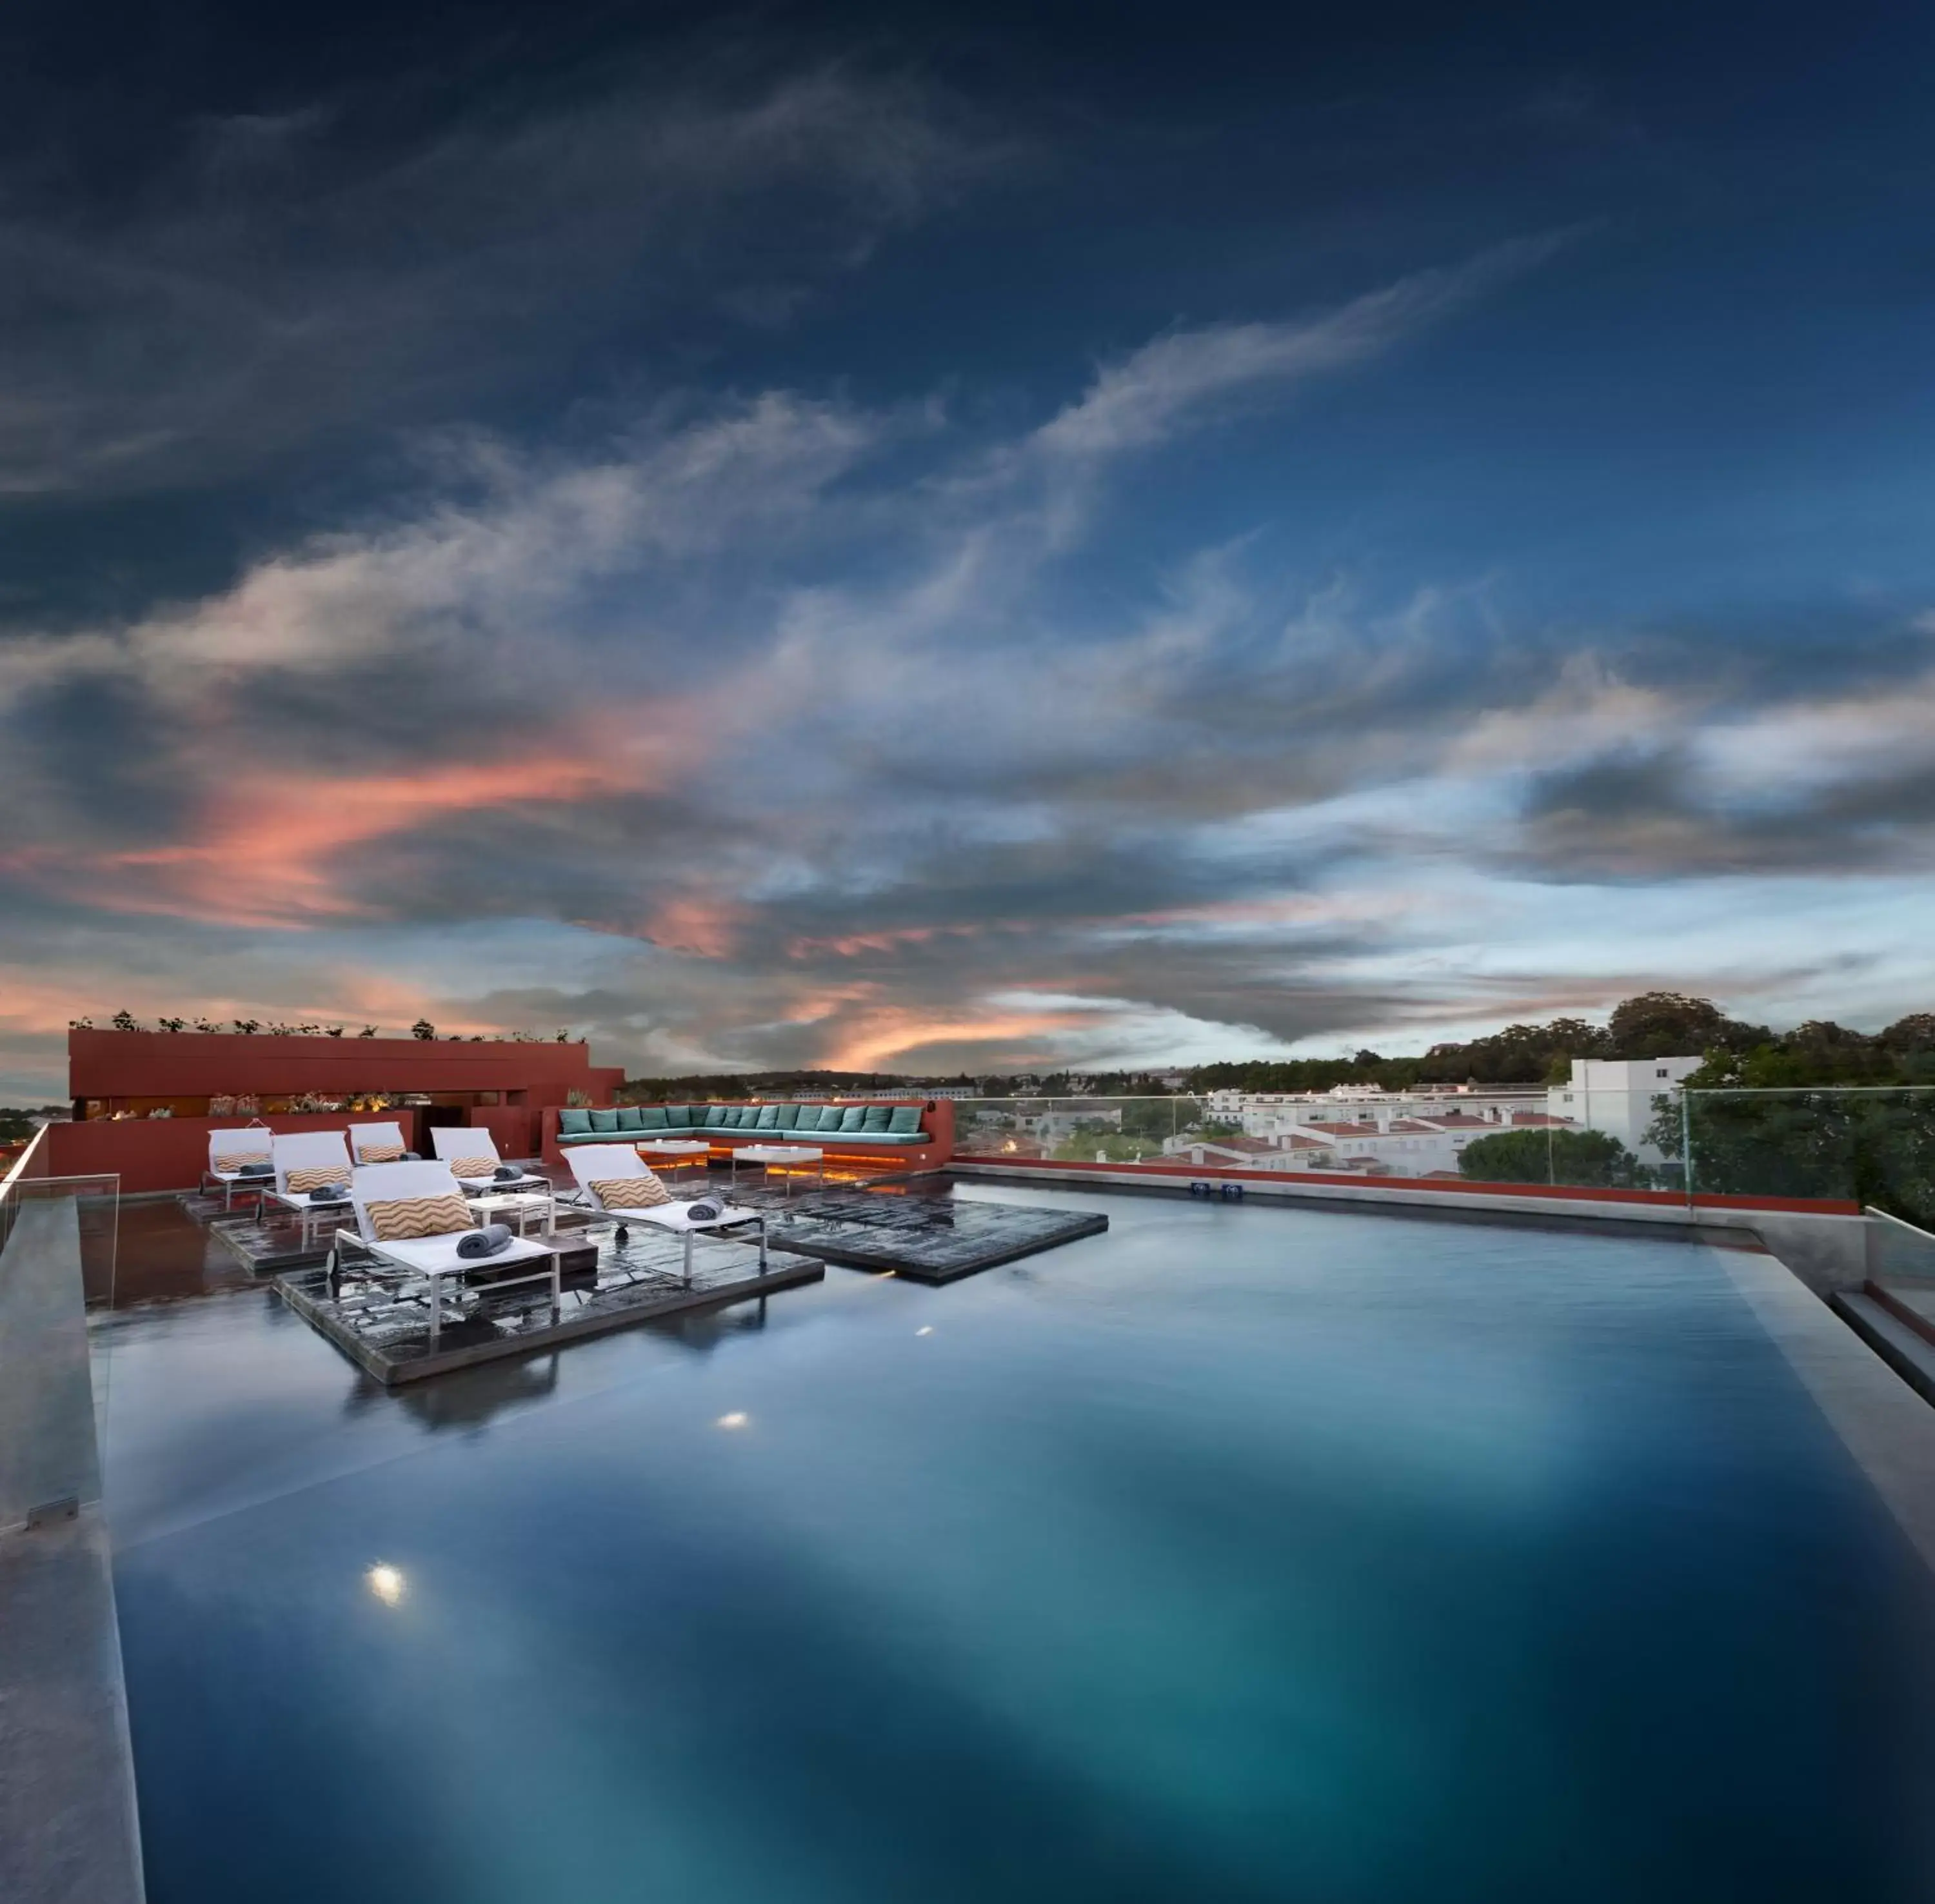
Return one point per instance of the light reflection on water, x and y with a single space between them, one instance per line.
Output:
1237 1554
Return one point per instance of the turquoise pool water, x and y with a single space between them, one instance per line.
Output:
1237 1554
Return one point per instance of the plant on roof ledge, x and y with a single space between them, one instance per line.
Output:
368 1031
125 1021
171 1024
423 1029
247 1026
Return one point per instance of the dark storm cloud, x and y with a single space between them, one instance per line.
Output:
348 267
1658 816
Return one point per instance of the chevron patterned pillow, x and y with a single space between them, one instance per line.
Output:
471 1166
233 1160
379 1152
403 1218
333 1173
644 1192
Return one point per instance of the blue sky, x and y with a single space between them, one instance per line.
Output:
928 537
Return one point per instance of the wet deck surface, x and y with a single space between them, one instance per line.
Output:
384 1323
926 1235
909 1226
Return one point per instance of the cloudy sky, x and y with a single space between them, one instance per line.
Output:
919 537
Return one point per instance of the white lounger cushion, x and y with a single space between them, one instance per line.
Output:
459 1143
426 1253
310 1150
377 1137
392 1183
679 1217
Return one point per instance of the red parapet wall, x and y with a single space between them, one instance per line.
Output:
169 1154
192 1064
1453 1186
107 1066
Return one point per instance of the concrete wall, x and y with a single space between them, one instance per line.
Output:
1824 1244
69 1833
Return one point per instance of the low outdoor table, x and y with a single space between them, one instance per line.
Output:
677 1152
523 1204
300 1201
769 1155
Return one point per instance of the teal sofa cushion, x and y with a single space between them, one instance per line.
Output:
603 1119
651 1117
788 1117
854 1118
573 1123
769 1117
674 1116
629 1119
724 1116
813 1117
876 1116
905 1117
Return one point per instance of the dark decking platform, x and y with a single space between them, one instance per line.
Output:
926 1237
385 1326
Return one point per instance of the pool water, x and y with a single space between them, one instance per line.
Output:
1236 1554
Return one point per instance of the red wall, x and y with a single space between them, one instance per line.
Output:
193 1064
109 1064
151 1154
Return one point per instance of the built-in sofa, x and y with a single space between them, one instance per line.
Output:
882 1129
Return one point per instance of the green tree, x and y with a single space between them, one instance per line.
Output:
1589 1158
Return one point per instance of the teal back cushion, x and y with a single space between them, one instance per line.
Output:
788 1117
603 1119
676 1117
769 1117
876 1117
707 1116
854 1118
812 1116
651 1117
726 1117
573 1124
904 1118
630 1118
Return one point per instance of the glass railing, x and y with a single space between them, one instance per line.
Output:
1872 1147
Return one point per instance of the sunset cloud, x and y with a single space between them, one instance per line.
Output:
789 556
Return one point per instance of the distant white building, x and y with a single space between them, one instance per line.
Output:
1620 1096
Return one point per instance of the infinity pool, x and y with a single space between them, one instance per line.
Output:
1236 1554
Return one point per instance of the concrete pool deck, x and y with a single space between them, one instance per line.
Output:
68 1833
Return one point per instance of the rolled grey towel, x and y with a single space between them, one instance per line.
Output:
330 1194
413 1157
489 1241
256 1170
704 1209
505 1174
